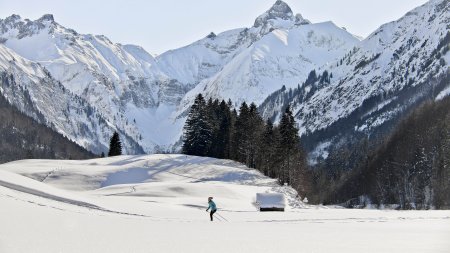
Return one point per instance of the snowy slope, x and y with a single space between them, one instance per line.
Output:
29 87
203 58
117 80
73 58
193 63
157 203
176 179
282 57
398 55
377 82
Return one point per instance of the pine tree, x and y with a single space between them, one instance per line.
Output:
241 138
312 78
255 127
198 129
267 149
115 146
215 117
324 78
289 141
232 142
293 166
222 143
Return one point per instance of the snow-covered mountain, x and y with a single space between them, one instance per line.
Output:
279 49
118 81
208 56
282 57
31 88
140 95
146 97
383 77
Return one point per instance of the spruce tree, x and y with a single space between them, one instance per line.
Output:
221 144
232 141
241 137
312 78
198 129
255 127
267 149
289 141
293 165
115 146
215 117
288 129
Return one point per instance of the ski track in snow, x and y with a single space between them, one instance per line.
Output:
164 211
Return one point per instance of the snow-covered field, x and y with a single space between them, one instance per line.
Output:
157 203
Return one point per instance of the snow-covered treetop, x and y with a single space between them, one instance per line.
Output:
280 10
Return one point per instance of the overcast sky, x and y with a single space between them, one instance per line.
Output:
160 25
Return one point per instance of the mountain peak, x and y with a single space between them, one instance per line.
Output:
46 17
279 10
13 17
24 27
11 20
300 20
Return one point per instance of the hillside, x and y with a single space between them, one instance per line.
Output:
411 169
30 88
374 85
24 138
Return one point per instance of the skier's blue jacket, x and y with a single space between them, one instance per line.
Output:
212 206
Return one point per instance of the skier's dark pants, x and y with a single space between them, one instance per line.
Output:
211 214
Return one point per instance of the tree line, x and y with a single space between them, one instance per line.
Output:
216 129
410 169
22 137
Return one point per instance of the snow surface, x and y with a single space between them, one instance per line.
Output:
443 94
157 203
320 152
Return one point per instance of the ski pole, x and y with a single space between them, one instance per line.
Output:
218 215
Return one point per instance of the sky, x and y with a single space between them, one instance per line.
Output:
161 25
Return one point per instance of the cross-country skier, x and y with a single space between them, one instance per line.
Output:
211 206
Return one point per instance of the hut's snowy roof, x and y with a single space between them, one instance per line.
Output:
270 200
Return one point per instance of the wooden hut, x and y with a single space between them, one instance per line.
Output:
270 202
